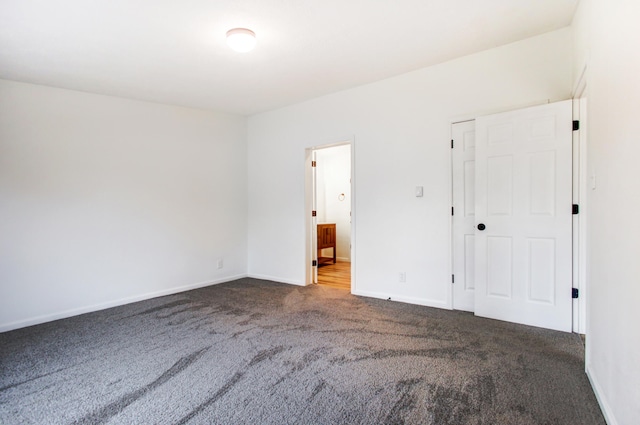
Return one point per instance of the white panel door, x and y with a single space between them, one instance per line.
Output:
463 220
523 257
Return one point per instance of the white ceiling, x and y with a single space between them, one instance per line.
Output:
173 51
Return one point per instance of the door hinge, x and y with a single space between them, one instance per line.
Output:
313 163
574 293
576 209
451 210
314 263
313 213
453 279
451 143
576 125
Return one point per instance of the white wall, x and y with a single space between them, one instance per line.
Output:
105 200
401 129
333 179
607 38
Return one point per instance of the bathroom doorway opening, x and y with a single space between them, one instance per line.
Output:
331 215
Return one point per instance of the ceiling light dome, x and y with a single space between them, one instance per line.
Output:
241 39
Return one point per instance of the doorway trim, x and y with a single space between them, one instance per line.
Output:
581 190
310 237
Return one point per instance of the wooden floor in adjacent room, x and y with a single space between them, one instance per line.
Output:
335 275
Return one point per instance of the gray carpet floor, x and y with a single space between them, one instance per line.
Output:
258 352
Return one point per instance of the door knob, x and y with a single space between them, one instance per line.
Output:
481 226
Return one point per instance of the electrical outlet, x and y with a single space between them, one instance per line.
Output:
220 263
403 277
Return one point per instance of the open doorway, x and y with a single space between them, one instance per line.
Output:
330 231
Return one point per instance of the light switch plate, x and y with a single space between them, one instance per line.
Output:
419 191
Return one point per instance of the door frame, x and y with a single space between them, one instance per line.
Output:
310 234
580 196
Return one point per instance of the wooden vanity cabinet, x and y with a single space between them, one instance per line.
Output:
326 239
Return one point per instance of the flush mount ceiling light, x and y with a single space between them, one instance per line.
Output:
241 39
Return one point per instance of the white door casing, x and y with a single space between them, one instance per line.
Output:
314 218
463 218
523 259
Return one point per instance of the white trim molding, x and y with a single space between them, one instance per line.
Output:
604 405
5 327
276 279
409 300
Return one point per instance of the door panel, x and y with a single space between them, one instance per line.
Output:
499 262
499 187
469 196
541 270
469 263
523 196
542 166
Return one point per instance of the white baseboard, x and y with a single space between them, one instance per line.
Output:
408 300
115 303
602 401
343 259
276 279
